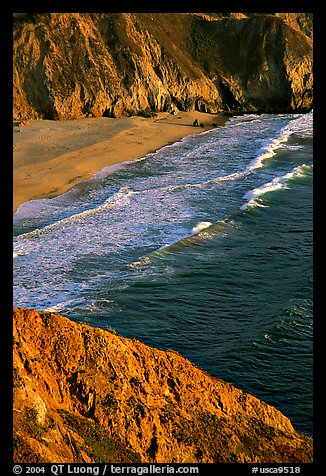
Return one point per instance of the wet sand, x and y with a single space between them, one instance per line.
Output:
50 157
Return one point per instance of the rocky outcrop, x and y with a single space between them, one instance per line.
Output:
83 394
72 65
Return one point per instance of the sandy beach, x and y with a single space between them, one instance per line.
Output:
50 157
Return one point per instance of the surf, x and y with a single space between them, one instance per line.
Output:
302 126
278 183
198 234
172 249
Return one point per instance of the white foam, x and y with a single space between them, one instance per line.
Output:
301 126
268 152
276 184
18 253
201 226
122 197
223 178
230 177
244 118
293 147
61 305
268 337
110 169
31 208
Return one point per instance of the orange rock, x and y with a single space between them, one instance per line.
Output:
123 63
83 394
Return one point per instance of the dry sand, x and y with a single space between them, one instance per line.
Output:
52 156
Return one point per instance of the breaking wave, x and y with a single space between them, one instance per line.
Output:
302 126
277 183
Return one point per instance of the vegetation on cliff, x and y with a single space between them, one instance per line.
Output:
71 65
83 394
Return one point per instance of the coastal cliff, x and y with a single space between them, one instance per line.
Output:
74 65
84 394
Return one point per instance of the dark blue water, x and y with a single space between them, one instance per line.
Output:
204 247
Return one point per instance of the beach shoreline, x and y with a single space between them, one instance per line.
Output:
50 157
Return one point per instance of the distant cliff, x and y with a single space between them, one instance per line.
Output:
83 394
73 65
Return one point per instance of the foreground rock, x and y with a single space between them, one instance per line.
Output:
74 65
83 394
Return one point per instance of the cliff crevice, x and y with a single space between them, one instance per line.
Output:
73 65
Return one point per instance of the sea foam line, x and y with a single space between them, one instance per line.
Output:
122 197
269 150
61 305
300 126
276 184
203 230
223 178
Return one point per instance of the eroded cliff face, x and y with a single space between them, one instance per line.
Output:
70 65
83 394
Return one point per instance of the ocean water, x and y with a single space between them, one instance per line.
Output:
204 247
